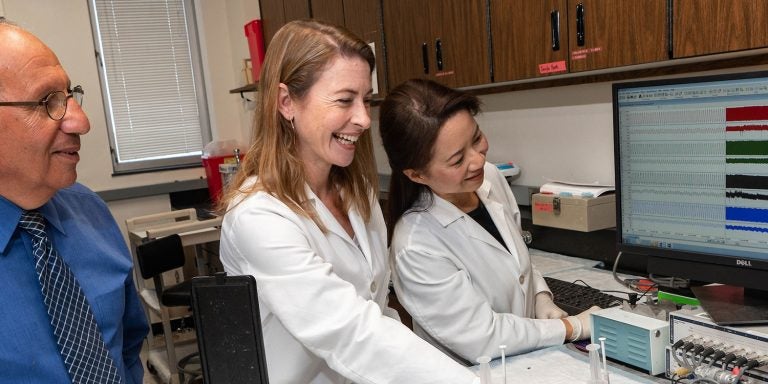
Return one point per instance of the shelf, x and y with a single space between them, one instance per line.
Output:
246 88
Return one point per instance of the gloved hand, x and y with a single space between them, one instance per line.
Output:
582 327
545 308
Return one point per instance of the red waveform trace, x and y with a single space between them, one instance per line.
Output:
746 113
742 128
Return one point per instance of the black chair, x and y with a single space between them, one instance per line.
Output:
154 258
229 338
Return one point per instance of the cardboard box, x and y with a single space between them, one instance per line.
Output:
583 214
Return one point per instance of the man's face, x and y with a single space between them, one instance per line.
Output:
38 155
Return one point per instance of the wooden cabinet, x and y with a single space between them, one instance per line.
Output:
445 40
275 13
361 17
542 38
716 26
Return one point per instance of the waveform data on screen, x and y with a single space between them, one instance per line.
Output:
693 166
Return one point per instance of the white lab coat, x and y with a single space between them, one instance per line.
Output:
321 297
468 294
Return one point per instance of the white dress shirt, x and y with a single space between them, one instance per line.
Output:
468 294
321 297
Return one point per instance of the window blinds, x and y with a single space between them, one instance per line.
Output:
156 109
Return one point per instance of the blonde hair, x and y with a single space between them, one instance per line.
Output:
297 54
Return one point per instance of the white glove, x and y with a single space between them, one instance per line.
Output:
545 308
581 324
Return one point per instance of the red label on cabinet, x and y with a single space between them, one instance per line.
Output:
555 66
544 207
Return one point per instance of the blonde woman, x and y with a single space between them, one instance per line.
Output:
305 222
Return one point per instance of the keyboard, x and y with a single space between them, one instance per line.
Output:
576 298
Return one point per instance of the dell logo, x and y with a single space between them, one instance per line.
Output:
743 263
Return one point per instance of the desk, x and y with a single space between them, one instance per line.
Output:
560 365
572 364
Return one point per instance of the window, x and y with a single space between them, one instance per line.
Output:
150 69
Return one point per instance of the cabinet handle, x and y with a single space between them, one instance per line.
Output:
425 57
580 25
439 54
555 21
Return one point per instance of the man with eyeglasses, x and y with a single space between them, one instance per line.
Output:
69 311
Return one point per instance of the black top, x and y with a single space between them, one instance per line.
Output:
482 217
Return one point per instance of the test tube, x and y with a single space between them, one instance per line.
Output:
606 379
503 362
594 363
485 369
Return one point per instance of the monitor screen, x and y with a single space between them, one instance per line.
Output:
691 158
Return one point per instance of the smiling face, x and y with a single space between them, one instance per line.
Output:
332 116
38 155
456 166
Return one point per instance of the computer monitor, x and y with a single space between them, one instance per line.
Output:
691 160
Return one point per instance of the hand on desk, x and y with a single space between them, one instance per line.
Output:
545 308
581 327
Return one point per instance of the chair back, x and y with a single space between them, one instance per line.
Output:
160 255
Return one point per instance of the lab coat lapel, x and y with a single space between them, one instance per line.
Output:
448 214
496 210
358 226
361 232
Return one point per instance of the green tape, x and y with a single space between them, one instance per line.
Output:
678 299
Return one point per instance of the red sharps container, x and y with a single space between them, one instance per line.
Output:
216 153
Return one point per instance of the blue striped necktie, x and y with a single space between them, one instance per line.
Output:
78 336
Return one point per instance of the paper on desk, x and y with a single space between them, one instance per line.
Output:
555 365
557 187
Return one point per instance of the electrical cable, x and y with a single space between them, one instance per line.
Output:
750 364
706 352
633 284
704 380
696 350
727 360
675 348
717 356
687 347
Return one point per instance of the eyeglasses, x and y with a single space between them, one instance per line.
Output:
55 102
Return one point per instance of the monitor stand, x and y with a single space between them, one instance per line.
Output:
730 305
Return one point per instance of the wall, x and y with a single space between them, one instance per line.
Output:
561 133
65 26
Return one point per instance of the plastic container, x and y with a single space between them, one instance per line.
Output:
255 38
215 154
227 171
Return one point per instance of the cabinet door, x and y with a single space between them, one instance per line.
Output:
363 18
446 41
330 11
715 26
614 33
275 13
408 40
461 47
530 38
